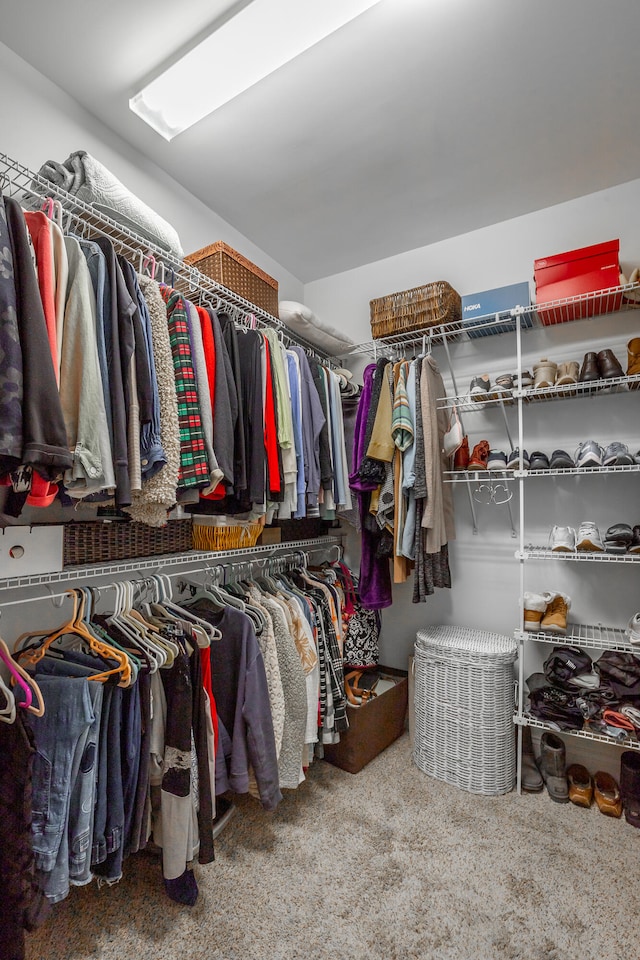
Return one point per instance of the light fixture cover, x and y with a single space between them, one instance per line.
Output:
259 39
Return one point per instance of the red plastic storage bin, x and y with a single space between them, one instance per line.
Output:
575 273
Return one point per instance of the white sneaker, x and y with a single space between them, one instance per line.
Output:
633 628
563 539
588 538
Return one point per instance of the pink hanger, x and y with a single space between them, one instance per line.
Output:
47 207
22 678
150 261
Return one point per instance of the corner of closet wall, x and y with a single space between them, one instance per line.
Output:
485 579
41 122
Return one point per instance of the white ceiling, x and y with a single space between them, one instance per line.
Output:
421 120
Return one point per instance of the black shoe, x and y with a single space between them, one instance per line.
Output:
560 460
538 461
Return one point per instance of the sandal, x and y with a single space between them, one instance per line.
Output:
357 691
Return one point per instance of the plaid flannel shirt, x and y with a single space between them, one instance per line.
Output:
194 468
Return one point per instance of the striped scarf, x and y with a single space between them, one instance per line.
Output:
401 422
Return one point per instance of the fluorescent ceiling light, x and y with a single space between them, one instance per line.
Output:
259 39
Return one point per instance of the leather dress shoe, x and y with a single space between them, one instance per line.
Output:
589 370
580 785
608 365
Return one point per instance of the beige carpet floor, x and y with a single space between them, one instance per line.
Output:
387 864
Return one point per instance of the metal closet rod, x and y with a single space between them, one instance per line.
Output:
293 557
19 181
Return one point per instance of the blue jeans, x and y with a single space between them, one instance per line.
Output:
73 861
108 846
60 738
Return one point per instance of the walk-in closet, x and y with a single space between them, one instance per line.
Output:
319 466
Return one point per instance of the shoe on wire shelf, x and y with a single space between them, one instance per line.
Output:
555 617
588 539
562 539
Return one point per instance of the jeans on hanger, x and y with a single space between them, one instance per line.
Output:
109 867
73 861
138 838
131 732
60 737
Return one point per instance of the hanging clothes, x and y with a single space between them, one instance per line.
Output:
375 580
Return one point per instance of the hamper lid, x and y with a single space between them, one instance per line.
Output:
478 642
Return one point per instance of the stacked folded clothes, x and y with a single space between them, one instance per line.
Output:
574 693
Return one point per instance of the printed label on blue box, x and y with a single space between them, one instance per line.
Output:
478 308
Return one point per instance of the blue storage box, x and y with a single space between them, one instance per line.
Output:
478 308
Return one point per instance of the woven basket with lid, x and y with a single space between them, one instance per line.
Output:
222 263
417 309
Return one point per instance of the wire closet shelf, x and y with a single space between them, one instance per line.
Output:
31 190
594 636
488 476
142 565
628 743
580 307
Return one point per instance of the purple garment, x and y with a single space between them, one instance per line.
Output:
360 433
375 577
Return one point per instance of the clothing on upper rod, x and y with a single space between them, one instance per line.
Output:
102 359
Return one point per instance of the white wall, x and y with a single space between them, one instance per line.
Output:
40 122
485 573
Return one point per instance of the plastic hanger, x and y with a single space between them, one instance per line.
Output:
157 654
22 678
8 711
183 613
75 625
138 660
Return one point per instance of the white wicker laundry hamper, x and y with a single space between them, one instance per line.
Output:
464 701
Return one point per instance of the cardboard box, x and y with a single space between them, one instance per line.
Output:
270 535
479 307
373 726
574 273
29 550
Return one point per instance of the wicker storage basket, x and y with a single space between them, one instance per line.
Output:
225 265
416 309
225 536
103 541
464 702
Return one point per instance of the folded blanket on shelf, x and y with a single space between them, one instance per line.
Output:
87 179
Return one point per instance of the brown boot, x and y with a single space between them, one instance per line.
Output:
633 361
555 618
461 458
